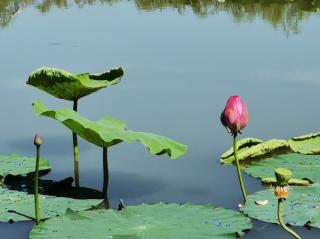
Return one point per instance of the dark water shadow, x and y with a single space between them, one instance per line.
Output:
121 186
53 145
62 188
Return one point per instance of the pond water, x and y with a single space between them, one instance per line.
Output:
182 60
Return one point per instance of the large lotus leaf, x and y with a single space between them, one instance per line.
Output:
302 166
68 86
158 221
255 149
107 131
15 164
51 206
306 144
301 208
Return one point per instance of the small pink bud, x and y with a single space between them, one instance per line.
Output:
37 140
235 115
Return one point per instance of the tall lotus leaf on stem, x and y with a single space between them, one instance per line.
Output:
37 142
235 118
107 132
72 87
281 191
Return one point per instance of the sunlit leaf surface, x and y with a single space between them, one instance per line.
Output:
302 166
15 164
306 144
301 208
68 86
250 148
51 206
158 221
108 131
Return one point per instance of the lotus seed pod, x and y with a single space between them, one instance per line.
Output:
283 176
235 115
37 140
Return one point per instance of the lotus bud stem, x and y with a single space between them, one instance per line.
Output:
281 191
37 143
235 148
76 151
105 178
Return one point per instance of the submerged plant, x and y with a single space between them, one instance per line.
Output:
281 192
235 118
37 143
72 87
108 132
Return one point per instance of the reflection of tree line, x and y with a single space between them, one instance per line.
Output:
281 13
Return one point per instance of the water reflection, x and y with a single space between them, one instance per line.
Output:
284 14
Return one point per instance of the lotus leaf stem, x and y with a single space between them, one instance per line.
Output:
280 219
76 151
244 194
105 178
36 187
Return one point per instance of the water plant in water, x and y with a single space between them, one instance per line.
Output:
235 118
72 87
281 192
37 142
108 132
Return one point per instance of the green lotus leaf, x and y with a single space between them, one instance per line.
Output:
68 86
302 166
306 144
251 148
51 206
158 221
108 131
15 164
243 144
301 208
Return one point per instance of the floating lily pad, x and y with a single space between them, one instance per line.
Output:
158 221
15 164
23 203
301 208
108 131
251 148
302 166
306 144
68 86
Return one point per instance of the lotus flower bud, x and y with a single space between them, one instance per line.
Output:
235 115
37 140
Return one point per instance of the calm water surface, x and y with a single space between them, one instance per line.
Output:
182 60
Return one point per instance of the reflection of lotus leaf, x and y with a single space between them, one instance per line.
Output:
50 206
302 166
250 148
301 208
17 165
158 221
306 144
108 131
68 86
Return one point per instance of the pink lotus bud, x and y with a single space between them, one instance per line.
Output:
235 115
